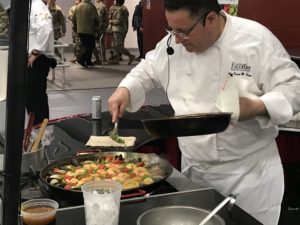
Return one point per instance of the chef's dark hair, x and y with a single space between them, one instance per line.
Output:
120 2
196 7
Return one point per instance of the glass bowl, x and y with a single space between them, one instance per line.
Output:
39 211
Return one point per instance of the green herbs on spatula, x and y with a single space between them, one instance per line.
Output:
114 134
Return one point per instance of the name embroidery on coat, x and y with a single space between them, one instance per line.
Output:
240 69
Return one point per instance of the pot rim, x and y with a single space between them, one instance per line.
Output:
219 219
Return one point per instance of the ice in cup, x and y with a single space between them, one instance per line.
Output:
102 202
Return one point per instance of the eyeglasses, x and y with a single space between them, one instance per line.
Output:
185 34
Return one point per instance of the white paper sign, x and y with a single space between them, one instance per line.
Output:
228 2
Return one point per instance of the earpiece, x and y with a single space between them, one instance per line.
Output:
170 50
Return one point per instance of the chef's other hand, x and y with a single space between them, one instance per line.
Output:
117 103
31 59
250 108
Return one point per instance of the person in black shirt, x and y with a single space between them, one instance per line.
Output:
137 24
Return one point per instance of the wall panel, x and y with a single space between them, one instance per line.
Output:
281 17
154 23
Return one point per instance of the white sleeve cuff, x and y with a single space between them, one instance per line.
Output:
279 109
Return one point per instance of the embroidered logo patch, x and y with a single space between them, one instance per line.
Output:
240 69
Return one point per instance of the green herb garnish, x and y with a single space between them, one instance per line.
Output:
115 137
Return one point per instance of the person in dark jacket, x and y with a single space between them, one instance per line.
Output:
86 23
137 24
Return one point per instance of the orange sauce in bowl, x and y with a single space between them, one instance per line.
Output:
34 216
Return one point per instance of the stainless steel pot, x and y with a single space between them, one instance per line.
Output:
187 125
33 159
177 215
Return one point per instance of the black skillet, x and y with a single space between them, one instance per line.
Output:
76 195
187 125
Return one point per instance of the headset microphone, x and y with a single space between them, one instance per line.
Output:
170 50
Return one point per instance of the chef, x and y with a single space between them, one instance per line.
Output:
208 59
40 59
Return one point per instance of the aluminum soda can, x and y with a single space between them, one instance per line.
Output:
96 108
96 127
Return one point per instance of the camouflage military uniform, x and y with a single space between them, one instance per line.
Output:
119 24
103 17
112 11
75 37
4 23
59 24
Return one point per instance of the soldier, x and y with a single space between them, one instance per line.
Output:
4 23
86 24
111 12
119 24
75 37
59 22
103 24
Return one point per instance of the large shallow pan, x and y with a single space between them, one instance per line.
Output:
187 125
177 215
76 195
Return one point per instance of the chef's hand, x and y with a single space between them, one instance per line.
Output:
31 59
117 103
250 108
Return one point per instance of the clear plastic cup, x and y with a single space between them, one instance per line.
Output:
102 202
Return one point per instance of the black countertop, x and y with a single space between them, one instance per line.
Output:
75 131
130 211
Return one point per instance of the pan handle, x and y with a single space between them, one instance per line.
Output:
88 151
136 194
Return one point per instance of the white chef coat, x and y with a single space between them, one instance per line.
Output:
246 153
41 35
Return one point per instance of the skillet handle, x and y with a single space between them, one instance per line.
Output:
88 151
136 194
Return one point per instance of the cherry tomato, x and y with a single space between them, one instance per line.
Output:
108 176
124 170
67 186
108 158
101 166
140 164
67 177
132 175
117 161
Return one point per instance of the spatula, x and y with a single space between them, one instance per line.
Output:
114 132
230 198
39 135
